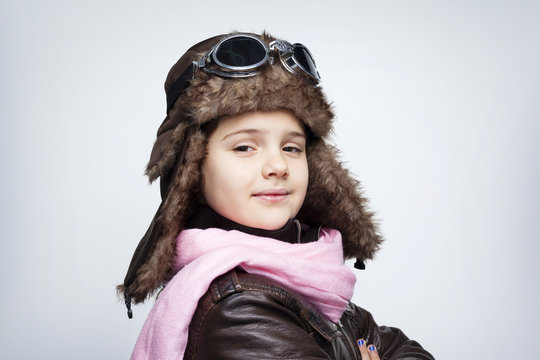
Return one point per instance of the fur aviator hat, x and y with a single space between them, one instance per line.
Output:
334 198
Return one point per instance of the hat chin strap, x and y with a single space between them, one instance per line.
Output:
127 300
359 264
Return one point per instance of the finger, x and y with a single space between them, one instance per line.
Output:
373 354
363 349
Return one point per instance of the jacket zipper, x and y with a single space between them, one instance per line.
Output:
299 230
347 339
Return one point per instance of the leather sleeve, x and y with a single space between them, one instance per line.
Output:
254 325
391 343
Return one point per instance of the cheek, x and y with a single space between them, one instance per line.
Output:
211 178
222 179
301 181
302 172
304 181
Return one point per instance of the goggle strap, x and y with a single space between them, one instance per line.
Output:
236 74
179 86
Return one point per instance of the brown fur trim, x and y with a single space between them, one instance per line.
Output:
166 149
334 199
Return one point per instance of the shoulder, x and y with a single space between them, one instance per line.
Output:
241 307
237 287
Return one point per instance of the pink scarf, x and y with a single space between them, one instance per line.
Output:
315 270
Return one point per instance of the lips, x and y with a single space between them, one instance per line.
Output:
272 195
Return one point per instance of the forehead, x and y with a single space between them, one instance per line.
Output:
278 121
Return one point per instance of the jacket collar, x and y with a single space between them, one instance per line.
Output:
292 232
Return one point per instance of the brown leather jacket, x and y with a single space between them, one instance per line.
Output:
245 316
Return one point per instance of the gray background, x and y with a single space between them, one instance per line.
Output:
437 114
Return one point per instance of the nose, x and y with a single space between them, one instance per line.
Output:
275 166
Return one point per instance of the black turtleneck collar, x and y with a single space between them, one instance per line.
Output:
292 232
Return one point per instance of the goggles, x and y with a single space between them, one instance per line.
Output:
243 55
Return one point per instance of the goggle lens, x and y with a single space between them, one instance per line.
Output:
304 59
240 52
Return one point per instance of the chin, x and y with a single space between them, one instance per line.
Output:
268 224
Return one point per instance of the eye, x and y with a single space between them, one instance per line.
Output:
292 149
243 148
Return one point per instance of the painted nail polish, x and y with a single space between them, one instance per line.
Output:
371 348
361 342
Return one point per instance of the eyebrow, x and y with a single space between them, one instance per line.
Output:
257 131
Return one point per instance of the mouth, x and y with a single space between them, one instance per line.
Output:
272 195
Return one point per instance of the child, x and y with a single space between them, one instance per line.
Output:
257 214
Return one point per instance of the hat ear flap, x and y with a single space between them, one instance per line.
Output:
155 253
334 199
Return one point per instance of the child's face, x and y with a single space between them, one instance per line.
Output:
256 171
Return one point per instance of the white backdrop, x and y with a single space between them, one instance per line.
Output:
437 114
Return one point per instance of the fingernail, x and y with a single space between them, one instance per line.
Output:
361 342
371 348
